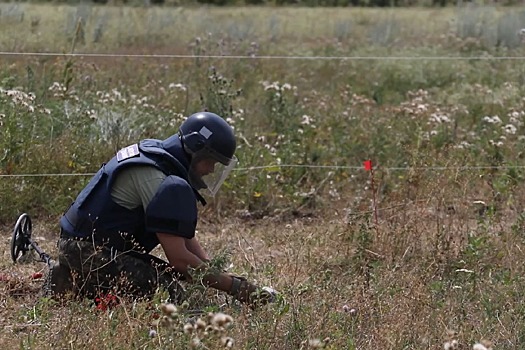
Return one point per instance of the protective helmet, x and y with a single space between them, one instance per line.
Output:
208 139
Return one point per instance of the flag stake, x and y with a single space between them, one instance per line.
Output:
368 167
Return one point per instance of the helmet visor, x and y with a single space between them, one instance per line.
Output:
207 174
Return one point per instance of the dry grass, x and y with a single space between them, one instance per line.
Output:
403 284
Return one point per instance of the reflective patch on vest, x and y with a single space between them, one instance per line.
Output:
128 152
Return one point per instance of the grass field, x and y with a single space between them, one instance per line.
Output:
434 97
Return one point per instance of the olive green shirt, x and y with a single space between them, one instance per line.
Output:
135 186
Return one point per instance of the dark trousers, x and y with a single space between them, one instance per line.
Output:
97 270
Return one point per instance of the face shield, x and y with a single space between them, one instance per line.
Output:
208 170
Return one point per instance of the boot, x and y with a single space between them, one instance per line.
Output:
58 281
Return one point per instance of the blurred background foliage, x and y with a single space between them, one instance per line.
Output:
419 91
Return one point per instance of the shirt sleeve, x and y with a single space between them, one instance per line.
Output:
173 209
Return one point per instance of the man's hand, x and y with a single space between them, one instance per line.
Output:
250 294
270 294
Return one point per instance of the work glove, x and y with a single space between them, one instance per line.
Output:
249 293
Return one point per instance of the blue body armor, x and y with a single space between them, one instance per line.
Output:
94 214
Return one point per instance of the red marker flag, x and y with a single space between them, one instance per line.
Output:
368 165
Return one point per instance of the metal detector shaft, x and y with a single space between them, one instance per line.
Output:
43 255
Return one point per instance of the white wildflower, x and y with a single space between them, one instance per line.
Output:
271 86
306 120
496 144
177 86
510 129
514 114
463 145
315 343
227 342
492 120
450 345
439 118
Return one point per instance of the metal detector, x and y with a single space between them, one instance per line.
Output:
21 241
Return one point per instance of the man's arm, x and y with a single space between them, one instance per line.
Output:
181 258
194 246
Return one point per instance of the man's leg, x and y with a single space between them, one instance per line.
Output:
145 268
96 270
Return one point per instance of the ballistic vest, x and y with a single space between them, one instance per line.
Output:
95 216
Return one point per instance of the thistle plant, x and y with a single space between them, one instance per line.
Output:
208 331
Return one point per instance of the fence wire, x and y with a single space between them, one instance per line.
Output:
269 57
275 167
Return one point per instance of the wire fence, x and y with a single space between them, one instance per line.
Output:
267 57
275 167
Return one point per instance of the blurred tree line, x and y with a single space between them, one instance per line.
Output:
312 3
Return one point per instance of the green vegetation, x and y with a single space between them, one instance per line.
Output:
432 96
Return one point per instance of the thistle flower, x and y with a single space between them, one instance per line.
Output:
227 342
165 321
200 325
188 328
195 343
169 309
221 320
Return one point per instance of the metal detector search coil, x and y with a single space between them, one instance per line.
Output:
21 241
